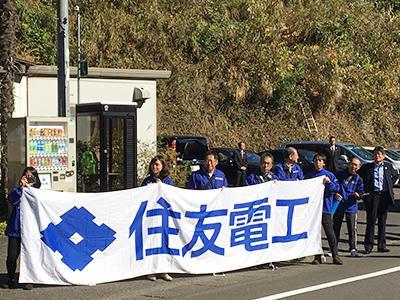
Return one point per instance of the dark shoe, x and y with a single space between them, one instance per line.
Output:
337 260
28 286
368 251
384 250
299 259
317 260
10 284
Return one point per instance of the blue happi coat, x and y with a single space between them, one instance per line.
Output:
349 184
331 188
295 173
200 180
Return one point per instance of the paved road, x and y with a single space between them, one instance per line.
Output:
251 283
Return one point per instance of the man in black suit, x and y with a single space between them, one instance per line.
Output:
379 178
332 153
240 159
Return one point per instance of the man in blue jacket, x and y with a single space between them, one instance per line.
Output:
208 177
289 170
331 188
351 190
264 174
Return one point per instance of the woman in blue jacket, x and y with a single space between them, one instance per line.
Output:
29 177
158 172
331 189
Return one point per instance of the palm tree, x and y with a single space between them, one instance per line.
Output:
7 45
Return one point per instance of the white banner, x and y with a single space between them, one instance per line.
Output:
77 238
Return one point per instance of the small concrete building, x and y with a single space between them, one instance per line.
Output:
105 91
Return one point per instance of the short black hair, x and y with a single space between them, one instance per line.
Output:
379 149
211 152
332 137
266 154
320 156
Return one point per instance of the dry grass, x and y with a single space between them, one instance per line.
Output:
240 66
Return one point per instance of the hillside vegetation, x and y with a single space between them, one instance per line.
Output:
240 67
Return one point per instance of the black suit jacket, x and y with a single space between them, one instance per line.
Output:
389 173
333 159
237 158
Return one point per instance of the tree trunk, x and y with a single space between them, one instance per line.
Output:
7 46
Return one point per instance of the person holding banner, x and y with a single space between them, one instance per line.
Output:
208 177
289 170
352 189
331 189
29 178
158 172
264 174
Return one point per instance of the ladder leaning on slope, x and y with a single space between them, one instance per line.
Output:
308 116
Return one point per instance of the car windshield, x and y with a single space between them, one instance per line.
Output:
361 152
191 150
307 154
253 158
392 154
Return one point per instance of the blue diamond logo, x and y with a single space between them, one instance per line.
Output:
77 237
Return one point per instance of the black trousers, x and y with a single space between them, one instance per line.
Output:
377 207
13 251
351 221
240 178
327 224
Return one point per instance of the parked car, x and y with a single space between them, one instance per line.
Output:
390 156
190 149
396 150
227 165
347 151
305 158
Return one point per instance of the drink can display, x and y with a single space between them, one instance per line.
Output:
47 146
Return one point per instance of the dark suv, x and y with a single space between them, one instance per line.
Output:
227 165
305 158
190 149
347 151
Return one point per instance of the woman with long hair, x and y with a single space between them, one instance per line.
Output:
29 178
158 172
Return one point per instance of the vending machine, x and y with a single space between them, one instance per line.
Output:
48 145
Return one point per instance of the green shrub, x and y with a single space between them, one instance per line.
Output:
3 226
36 31
179 173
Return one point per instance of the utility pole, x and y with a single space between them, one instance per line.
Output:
78 38
62 58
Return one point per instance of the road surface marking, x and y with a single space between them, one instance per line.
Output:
329 284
